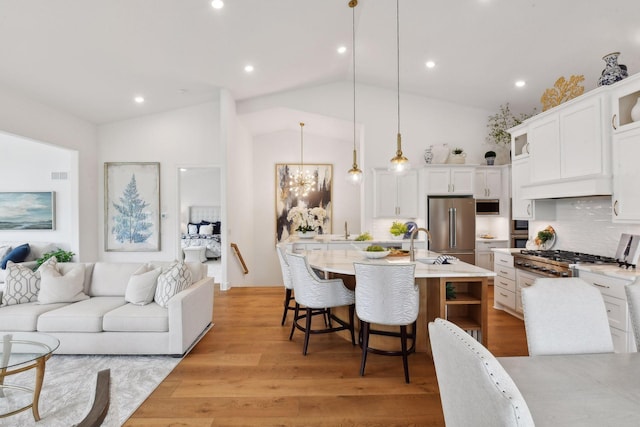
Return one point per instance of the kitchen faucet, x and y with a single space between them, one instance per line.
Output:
412 251
346 233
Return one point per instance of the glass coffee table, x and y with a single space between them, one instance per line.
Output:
20 352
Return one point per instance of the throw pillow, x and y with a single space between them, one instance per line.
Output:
192 228
4 250
56 288
142 285
23 284
17 254
176 278
206 230
216 227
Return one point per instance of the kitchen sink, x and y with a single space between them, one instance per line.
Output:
431 260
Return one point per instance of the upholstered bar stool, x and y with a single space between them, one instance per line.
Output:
317 296
289 300
386 294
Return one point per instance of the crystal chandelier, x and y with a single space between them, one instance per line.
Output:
301 182
354 175
399 163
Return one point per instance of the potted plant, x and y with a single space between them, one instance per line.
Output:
60 254
490 157
457 155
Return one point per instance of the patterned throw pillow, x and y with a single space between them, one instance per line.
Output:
22 283
176 278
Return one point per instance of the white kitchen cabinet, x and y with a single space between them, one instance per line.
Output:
488 182
484 252
544 148
395 195
625 152
504 291
522 207
447 180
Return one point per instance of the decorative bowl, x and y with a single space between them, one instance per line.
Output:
375 255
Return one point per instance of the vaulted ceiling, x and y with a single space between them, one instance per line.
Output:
90 57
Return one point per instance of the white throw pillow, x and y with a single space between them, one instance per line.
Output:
4 250
22 283
56 288
176 278
206 230
141 287
192 229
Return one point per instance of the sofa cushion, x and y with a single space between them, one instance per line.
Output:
38 249
170 282
55 287
66 267
142 285
83 316
22 283
135 318
110 279
23 317
17 254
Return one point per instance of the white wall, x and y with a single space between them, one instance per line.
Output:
23 117
584 225
188 136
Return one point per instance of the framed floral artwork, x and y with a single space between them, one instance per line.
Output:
27 210
312 211
132 207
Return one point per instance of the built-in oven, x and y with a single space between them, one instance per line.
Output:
519 241
519 226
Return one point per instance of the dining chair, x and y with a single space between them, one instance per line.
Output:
633 302
318 297
386 294
475 390
565 316
289 300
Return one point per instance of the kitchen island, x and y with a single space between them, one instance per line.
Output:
468 309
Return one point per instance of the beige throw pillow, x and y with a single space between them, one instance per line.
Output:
142 285
56 288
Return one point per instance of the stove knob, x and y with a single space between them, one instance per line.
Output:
535 267
526 264
565 274
552 271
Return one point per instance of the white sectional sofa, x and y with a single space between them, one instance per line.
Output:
106 324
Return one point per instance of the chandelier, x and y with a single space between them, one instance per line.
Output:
301 182
354 175
399 163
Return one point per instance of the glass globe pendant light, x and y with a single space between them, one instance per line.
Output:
354 175
399 163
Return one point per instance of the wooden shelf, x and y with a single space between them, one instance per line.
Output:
464 298
466 323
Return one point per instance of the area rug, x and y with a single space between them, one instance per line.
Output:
69 388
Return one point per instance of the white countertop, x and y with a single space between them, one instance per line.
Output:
609 270
341 262
480 239
508 251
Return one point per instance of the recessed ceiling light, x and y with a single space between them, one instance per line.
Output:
430 64
139 99
248 68
342 49
217 4
520 83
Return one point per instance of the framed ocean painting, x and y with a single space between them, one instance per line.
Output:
27 210
132 207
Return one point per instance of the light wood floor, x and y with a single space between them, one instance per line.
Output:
246 372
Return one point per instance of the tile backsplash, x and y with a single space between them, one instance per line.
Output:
584 225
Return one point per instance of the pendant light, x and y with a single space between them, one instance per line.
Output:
354 175
399 163
301 182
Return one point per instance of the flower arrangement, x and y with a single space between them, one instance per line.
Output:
306 219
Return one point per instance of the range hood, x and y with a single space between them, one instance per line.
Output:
569 187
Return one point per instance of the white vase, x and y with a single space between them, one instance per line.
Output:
635 111
307 234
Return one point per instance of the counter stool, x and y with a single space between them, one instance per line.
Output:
289 300
386 294
317 296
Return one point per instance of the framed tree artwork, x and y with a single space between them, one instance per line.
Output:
132 207
319 197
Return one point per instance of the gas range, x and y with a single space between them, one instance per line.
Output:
555 263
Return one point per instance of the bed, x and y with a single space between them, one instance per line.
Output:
203 230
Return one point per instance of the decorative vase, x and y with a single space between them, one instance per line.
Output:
428 155
307 234
613 72
635 111
490 160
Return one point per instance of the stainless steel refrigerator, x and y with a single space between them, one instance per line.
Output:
452 224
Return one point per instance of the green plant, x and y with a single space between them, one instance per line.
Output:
61 256
450 291
457 150
364 236
375 248
501 121
398 228
489 154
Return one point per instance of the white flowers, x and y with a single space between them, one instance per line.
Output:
306 219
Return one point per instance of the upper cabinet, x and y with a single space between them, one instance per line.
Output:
488 182
625 150
395 195
449 180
